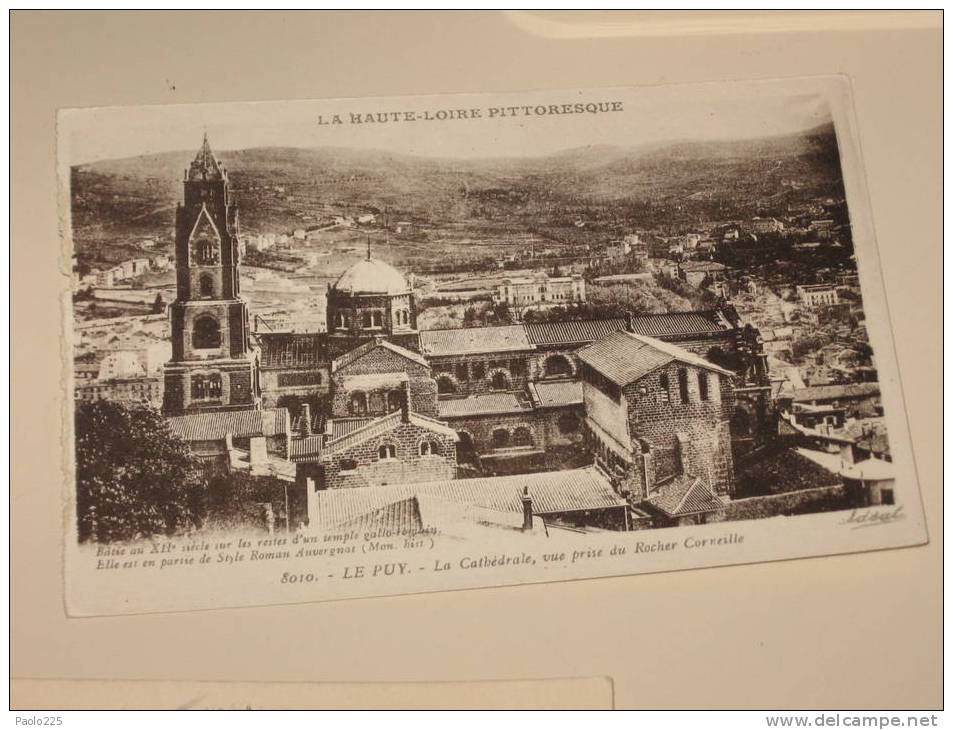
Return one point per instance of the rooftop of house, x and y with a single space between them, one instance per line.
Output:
361 350
572 331
384 424
288 350
693 266
816 287
673 324
474 340
430 512
624 357
833 392
685 495
570 490
556 393
240 424
481 405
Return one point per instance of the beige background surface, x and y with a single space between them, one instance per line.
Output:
859 630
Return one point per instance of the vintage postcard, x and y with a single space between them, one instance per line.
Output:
344 348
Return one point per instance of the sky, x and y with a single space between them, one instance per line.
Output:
644 115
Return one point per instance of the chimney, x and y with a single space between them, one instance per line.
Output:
305 427
527 510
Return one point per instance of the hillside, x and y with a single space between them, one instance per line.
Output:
118 202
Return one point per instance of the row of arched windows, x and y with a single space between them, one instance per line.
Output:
359 403
206 386
373 319
501 438
446 385
424 448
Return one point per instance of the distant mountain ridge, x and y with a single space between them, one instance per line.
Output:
116 200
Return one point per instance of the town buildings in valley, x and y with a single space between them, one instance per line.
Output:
817 295
541 291
614 423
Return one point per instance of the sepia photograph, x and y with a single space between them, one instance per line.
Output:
368 346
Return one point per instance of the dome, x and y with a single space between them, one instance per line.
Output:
372 276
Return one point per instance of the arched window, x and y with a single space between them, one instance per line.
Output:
683 385
206 334
425 448
377 320
206 387
499 381
394 400
340 322
663 387
702 385
558 366
358 404
522 436
387 451
445 385
206 251
500 438
205 286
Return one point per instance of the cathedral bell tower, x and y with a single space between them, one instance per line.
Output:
213 365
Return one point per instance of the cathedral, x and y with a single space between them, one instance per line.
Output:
654 403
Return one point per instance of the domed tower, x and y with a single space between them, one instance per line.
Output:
371 299
214 366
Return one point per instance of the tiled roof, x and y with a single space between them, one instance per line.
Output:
825 392
554 492
299 449
472 340
240 424
397 518
624 357
551 394
680 323
361 350
339 427
702 266
293 350
685 495
384 424
572 332
480 405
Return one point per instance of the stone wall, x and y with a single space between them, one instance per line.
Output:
822 499
311 382
480 429
412 379
367 468
697 427
474 374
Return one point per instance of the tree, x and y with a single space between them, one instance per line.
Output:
134 478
